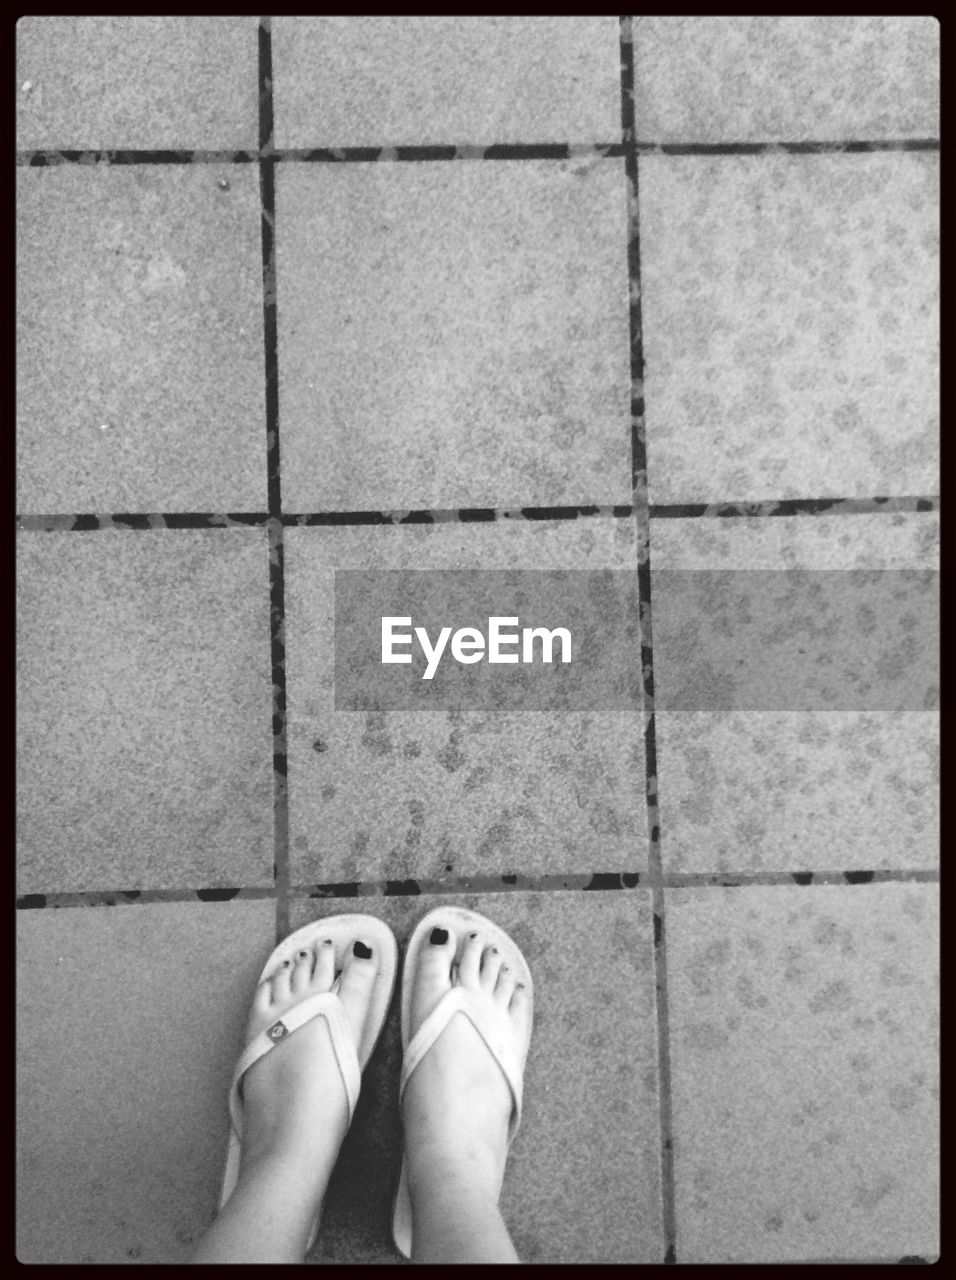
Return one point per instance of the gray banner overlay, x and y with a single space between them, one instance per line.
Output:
569 640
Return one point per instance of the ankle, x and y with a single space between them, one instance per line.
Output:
440 1174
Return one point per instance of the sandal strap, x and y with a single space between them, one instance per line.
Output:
324 1005
496 1034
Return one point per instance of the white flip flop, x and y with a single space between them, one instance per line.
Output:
350 1057
494 1030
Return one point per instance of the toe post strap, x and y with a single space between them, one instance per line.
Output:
496 1033
326 1005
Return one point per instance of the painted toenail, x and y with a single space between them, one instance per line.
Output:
437 937
519 986
505 969
303 954
286 964
326 942
362 951
472 935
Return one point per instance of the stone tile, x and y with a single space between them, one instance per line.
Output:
140 1011
387 81
137 83
796 790
145 703
582 1182
804 1047
790 325
139 339
453 334
399 795
760 78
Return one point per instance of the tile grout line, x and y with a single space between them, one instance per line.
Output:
574 882
273 481
409 154
88 522
639 487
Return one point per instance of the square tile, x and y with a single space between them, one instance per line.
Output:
137 83
790 325
424 794
792 790
140 1011
387 81
145 710
453 334
140 380
583 1177
804 1072
760 78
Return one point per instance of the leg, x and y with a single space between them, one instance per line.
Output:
295 1115
456 1110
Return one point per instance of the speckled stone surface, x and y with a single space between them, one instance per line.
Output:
453 334
764 78
398 795
139 339
129 1022
804 1046
387 81
144 710
582 1182
791 790
790 325
137 82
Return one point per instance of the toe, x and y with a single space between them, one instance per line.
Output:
490 964
323 975
262 1001
433 975
360 964
281 985
301 973
520 1009
469 962
505 985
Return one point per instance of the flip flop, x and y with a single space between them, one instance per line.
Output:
351 1058
493 1031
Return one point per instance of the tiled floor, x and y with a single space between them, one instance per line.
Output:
307 294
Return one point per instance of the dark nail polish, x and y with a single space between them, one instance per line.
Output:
438 937
363 952
472 935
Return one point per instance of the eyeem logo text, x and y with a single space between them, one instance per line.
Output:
469 645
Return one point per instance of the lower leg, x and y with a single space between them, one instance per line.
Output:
455 1218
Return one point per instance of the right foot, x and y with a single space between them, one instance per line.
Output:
457 1104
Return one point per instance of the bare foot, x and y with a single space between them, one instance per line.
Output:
457 1104
295 1107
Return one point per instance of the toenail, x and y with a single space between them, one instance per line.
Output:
505 969
303 954
362 951
437 937
519 986
326 942
494 951
472 935
286 964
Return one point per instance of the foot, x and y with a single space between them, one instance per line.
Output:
295 1108
457 1104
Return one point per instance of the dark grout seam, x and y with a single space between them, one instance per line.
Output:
41 159
273 460
86 522
643 531
512 882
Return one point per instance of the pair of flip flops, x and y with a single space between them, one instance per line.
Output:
351 1058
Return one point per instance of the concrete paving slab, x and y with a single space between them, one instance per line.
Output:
804 1046
396 81
793 790
453 334
790 325
139 339
144 710
407 795
137 83
763 78
583 1181
129 1021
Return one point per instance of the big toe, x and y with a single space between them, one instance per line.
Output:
433 976
360 968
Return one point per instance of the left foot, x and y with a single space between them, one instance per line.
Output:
295 1107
